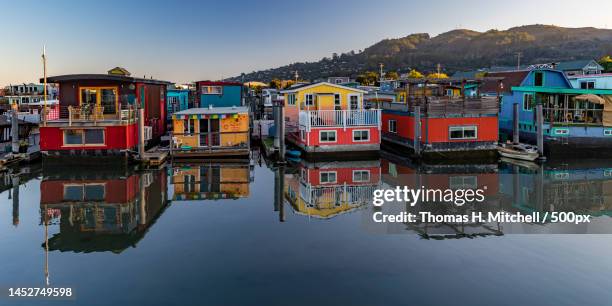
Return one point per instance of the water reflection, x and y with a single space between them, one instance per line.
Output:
11 179
100 209
211 180
326 189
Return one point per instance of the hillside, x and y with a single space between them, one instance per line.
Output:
456 50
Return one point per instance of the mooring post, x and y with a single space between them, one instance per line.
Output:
515 123
281 132
14 132
15 183
540 130
417 131
141 141
276 125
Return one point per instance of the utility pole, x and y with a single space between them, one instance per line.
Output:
381 65
518 60
438 69
296 75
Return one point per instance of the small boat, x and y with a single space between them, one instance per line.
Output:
293 153
518 151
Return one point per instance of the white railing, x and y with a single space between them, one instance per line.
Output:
339 118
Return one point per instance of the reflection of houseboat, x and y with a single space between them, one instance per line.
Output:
98 114
202 181
575 120
435 118
102 209
330 118
219 94
212 131
324 190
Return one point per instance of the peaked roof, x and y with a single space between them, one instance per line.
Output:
509 80
311 85
576 65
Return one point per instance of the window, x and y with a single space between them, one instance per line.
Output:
538 78
327 136
105 97
463 132
463 182
587 84
561 131
361 175
608 132
291 99
392 126
336 99
361 135
308 99
83 137
84 192
354 101
327 177
212 90
338 81
528 102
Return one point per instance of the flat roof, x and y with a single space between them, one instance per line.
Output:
213 110
104 77
562 90
218 83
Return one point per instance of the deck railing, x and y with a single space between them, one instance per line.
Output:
210 140
339 118
94 114
445 106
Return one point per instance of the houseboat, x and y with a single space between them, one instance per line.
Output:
177 100
98 115
219 94
211 181
211 132
325 190
574 120
437 119
326 118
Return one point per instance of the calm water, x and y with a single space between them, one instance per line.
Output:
218 234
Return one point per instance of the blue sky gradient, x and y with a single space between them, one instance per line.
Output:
195 40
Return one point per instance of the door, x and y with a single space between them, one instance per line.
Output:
215 135
204 140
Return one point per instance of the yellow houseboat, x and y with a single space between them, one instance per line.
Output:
211 132
211 181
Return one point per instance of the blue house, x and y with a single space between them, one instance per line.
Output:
219 94
576 120
178 100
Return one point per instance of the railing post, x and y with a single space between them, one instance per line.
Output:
70 115
344 115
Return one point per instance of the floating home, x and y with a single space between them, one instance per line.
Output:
98 115
219 94
325 190
211 181
329 118
437 118
574 120
211 132
177 100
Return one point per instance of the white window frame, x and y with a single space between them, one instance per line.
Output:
530 106
587 84
561 131
83 143
359 102
361 180
306 96
394 130
328 131
607 132
328 173
362 140
291 99
208 92
462 128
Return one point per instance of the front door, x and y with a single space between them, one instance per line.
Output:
204 140
215 136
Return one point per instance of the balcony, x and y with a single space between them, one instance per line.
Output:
90 115
339 118
447 107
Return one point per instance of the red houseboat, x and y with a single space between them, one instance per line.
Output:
98 114
435 121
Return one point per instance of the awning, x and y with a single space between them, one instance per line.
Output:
591 98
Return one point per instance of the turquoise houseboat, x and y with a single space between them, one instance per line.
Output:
178 100
575 120
219 94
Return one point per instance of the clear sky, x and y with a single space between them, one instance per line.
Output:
194 40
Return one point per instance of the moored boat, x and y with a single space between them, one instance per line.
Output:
518 151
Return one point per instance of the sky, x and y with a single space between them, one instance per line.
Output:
185 41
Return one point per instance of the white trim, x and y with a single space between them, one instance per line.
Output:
324 83
359 101
328 172
462 127
366 140
306 95
339 98
361 181
328 131
389 126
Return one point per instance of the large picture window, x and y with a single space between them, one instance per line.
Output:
105 97
77 137
463 132
327 177
361 135
392 126
327 136
84 192
212 90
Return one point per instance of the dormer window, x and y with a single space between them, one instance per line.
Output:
538 78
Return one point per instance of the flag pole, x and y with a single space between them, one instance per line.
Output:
44 58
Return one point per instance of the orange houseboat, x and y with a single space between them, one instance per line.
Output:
436 118
211 181
98 114
325 190
330 118
101 210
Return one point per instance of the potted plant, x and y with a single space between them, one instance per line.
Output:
23 146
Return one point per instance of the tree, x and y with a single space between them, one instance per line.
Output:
368 78
288 83
436 75
413 74
391 75
606 62
275 83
